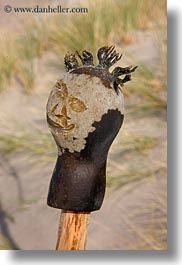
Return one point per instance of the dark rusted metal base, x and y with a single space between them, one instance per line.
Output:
79 179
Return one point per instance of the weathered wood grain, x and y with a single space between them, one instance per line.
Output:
72 231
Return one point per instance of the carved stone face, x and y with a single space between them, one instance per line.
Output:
84 112
75 103
62 103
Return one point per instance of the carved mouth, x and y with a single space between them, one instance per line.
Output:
60 128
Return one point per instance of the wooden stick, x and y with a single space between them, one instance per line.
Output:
72 231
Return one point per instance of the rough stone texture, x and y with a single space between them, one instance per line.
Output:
81 100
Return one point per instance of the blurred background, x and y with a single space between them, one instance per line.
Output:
32 49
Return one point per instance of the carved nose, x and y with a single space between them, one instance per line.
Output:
63 113
64 119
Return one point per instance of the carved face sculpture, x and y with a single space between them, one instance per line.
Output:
85 111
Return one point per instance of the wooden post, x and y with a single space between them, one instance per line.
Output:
72 231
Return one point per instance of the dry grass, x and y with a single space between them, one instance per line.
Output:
149 92
23 139
8 60
107 22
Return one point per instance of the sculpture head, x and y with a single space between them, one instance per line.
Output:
85 111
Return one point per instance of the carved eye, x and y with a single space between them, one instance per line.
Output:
76 104
54 108
62 89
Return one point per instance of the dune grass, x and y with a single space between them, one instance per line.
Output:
8 60
106 22
149 92
43 147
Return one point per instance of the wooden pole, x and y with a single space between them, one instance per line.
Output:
72 232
